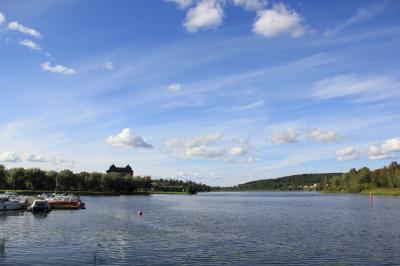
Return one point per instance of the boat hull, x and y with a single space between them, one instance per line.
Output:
65 205
11 206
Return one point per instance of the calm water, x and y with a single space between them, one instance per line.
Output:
211 228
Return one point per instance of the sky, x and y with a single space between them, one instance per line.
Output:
216 91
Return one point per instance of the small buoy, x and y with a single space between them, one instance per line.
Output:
139 213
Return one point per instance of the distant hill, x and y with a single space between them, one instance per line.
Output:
293 182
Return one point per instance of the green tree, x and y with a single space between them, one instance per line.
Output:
94 182
67 180
35 178
3 181
16 178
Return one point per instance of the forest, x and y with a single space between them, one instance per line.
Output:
286 183
364 179
35 179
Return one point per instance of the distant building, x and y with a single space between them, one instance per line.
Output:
123 171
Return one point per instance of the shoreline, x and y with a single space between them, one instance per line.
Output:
94 193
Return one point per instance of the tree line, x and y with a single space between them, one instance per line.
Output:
364 179
286 183
36 179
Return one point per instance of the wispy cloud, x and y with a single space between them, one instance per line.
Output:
361 14
365 87
31 45
193 141
323 135
59 69
347 154
14 25
286 136
175 87
109 65
251 4
181 3
13 157
249 106
2 18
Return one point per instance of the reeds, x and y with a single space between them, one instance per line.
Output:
95 255
3 245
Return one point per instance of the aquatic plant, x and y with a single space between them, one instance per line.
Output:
3 245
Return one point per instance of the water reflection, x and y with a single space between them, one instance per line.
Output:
39 215
9 213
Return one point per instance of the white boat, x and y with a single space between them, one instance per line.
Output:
8 203
39 206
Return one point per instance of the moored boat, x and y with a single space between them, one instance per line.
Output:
9 203
70 202
39 206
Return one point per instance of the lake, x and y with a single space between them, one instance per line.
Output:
209 229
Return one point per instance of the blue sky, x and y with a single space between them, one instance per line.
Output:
216 91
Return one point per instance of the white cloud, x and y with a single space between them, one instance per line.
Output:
181 3
386 150
250 4
174 87
9 157
279 20
57 69
252 159
14 25
361 15
31 45
206 147
391 145
194 141
214 175
205 152
375 153
237 151
287 136
347 154
383 151
206 14
32 158
126 138
109 65
367 87
28 157
322 135
2 18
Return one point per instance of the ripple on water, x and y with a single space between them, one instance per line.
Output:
209 229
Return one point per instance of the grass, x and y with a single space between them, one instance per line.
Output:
169 192
383 191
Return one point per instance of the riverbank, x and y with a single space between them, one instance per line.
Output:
382 192
93 193
375 191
